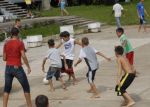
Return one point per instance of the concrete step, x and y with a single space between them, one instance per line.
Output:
18 10
77 21
83 23
72 19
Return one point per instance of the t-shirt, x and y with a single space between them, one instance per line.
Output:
13 49
140 8
69 48
28 1
89 54
117 9
53 55
128 47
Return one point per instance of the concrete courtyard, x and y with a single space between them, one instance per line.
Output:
76 95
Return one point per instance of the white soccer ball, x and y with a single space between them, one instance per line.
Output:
45 81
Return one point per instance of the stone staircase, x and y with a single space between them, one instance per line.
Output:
9 8
76 21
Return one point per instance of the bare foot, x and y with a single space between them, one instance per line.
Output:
90 91
64 88
52 90
96 95
129 104
124 103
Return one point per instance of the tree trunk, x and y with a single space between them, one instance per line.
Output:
46 4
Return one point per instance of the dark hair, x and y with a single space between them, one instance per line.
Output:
14 31
17 20
121 30
85 41
51 42
119 50
41 101
64 34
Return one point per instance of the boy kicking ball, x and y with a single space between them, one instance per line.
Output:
89 54
56 65
125 78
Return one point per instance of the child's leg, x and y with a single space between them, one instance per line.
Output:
51 85
63 84
66 12
128 98
74 79
94 90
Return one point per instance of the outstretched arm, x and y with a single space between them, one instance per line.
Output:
78 61
102 55
59 45
78 42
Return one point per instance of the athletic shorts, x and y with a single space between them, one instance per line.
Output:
125 82
130 57
18 73
69 63
91 75
53 72
142 20
28 7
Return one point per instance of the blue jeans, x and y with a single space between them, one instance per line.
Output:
19 73
118 22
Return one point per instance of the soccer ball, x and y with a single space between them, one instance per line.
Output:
45 81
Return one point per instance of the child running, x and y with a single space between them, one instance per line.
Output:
125 76
56 65
69 45
89 54
128 49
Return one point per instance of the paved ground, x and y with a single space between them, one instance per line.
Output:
105 77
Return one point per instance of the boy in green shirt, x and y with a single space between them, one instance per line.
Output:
128 49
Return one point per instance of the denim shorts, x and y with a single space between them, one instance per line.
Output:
18 73
53 72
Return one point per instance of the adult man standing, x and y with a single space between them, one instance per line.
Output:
141 14
13 51
117 11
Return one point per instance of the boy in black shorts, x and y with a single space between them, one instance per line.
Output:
89 54
56 64
124 79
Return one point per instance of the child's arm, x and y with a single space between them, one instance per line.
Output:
119 73
77 42
79 61
59 45
43 64
146 12
65 63
102 55
124 43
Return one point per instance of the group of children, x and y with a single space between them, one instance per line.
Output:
61 63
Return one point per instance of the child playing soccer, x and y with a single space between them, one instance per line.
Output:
128 49
69 45
56 65
89 54
125 76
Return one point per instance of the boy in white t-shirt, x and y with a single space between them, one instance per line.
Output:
69 45
117 11
55 68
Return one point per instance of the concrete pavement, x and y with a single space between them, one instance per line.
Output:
105 77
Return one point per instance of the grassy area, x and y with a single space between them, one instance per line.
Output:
102 13
47 30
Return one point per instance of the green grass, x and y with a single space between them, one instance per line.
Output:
47 30
102 13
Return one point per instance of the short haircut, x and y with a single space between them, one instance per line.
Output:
14 31
65 34
121 30
119 50
85 41
41 101
17 20
51 42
